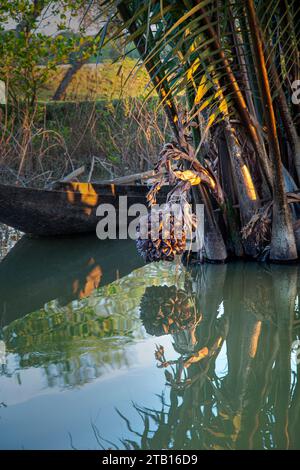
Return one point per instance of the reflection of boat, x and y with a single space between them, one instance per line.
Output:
84 339
37 271
69 208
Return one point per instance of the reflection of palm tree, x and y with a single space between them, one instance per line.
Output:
254 405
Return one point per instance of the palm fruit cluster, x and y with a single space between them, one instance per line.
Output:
160 238
166 310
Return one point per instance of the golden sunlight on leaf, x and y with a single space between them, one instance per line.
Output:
195 65
205 104
203 88
198 356
188 175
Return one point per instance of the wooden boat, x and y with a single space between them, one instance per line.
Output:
68 209
37 271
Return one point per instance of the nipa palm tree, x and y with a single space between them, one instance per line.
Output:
224 73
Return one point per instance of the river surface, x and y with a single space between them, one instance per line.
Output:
98 350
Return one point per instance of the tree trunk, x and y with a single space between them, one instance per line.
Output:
233 226
67 78
241 105
247 196
283 246
214 246
290 128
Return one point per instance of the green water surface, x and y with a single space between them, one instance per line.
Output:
98 350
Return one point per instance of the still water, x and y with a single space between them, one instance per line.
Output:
100 351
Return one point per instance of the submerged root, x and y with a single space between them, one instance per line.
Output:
259 227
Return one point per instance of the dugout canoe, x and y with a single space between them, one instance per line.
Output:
68 209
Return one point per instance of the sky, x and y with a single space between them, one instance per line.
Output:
48 24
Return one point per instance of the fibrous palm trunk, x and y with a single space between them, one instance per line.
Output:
283 246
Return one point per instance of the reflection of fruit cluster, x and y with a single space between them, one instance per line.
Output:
166 310
169 240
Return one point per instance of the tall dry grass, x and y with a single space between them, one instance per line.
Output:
44 145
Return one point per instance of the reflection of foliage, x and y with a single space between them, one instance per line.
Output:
166 310
77 342
72 346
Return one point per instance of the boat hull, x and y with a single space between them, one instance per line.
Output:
68 209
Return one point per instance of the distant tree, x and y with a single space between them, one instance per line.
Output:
27 53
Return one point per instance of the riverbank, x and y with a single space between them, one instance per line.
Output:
8 238
120 136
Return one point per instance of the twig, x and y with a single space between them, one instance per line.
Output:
91 169
73 174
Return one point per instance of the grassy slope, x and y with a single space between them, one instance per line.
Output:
105 81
